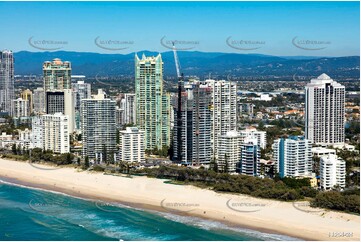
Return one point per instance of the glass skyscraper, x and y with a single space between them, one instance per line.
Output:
6 80
152 102
57 75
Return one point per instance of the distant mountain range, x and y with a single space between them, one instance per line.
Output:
194 63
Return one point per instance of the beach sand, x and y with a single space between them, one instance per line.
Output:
287 218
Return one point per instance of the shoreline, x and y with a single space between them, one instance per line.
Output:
273 217
98 201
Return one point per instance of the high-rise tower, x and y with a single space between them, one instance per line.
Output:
223 108
98 127
152 103
195 129
57 75
325 111
6 80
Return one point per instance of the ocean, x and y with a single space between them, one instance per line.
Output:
35 214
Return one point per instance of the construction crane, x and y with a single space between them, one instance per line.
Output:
179 111
176 60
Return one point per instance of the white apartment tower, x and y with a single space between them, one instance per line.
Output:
229 152
253 133
131 145
56 133
128 105
37 127
20 108
293 157
81 90
332 172
325 111
98 127
224 109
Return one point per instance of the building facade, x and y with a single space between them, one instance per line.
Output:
128 105
293 157
131 143
81 91
325 111
152 103
62 102
195 130
57 75
56 133
37 130
39 100
332 172
19 108
250 163
223 108
98 128
6 80
320 151
229 152
253 133
28 95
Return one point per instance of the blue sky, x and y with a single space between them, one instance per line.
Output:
255 27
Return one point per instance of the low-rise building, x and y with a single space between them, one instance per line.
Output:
321 151
25 138
252 133
5 140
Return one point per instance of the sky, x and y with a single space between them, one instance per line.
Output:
271 28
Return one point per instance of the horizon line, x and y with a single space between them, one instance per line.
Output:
210 52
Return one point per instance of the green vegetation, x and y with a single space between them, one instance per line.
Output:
37 155
285 189
352 130
86 162
164 152
98 168
343 201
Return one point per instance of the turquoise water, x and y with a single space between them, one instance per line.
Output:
33 214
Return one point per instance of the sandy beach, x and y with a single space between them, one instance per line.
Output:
294 219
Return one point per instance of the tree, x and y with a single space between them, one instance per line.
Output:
105 160
316 165
69 158
14 149
261 125
19 150
117 137
213 165
226 165
86 162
